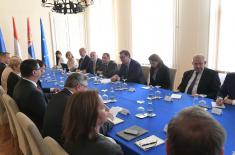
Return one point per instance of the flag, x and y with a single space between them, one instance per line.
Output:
2 43
30 42
45 56
16 40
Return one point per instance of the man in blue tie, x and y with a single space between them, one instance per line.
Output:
130 69
200 80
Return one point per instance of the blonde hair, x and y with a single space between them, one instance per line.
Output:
14 62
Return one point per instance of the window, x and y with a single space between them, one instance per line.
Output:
222 35
153 30
101 30
68 33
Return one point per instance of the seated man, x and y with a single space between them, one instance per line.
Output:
227 91
109 67
200 80
52 125
84 60
4 61
95 64
130 69
29 98
194 132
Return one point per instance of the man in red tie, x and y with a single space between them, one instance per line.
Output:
200 80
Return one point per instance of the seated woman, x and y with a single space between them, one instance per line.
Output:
84 114
71 63
159 72
14 75
59 59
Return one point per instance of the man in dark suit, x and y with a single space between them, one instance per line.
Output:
201 80
227 91
52 124
84 60
95 64
108 67
29 98
4 61
130 69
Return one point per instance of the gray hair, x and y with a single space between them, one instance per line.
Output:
74 79
193 131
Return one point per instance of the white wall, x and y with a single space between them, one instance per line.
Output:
21 9
192 31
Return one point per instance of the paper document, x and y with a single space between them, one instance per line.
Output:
105 81
116 120
214 105
115 110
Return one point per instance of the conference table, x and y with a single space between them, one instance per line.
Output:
164 111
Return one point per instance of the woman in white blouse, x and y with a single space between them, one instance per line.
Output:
71 63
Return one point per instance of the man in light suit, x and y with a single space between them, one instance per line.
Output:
130 69
109 67
84 60
227 91
200 80
29 98
4 61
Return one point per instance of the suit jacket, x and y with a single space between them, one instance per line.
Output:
31 101
11 83
162 77
209 83
134 74
52 124
45 90
2 67
53 119
90 66
83 64
101 146
110 70
228 87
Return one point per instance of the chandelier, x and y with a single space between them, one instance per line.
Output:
67 6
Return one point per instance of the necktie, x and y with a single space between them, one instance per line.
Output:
190 88
125 71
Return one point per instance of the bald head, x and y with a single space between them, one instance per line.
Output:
93 56
82 52
198 62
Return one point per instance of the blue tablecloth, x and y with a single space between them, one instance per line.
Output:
164 112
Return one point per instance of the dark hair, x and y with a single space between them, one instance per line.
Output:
27 67
57 58
125 52
41 63
80 116
155 57
193 131
107 54
3 53
74 79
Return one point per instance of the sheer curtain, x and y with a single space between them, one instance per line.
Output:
222 35
68 33
101 27
153 30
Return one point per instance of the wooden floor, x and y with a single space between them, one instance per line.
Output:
6 141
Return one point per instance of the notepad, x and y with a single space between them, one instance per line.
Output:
116 120
149 142
214 105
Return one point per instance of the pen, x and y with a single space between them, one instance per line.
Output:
149 143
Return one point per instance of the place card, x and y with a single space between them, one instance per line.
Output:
214 105
216 111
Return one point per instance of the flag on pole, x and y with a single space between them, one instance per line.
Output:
2 43
30 42
45 56
16 40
